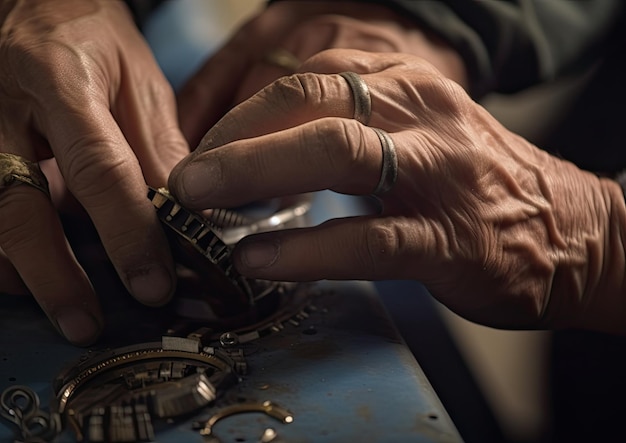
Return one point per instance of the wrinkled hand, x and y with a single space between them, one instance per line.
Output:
303 28
498 230
78 84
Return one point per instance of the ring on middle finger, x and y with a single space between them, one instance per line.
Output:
361 95
389 168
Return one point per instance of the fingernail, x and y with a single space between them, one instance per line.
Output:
259 253
195 180
152 285
78 326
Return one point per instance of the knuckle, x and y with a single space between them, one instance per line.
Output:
328 60
453 95
341 143
296 91
41 65
383 246
52 67
126 245
442 96
93 173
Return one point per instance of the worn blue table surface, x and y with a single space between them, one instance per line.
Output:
352 380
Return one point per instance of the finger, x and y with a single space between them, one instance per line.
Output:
295 99
146 114
210 92
34 254
337 154
343 249
285 104
100 169
10 280
312 36
32 237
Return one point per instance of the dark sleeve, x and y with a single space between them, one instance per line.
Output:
141 9
510 45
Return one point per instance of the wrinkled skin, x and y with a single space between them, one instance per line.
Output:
497 229
303 28
81 92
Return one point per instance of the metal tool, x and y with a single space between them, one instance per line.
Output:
266 407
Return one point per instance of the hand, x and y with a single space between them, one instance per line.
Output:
78 84
302 28
498 230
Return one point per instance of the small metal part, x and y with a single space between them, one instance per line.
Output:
184 396
248 337
204 244
95 426
288 217
145 430
121 426
229 339
238 358
197 245
267 407
169 343
268 436
69 382
203 335
117 395
19 405
18 402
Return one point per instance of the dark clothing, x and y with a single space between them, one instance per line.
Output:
141 9
510 45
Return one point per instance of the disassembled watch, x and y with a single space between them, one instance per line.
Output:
130 393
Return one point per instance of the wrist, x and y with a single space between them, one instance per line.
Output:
605 309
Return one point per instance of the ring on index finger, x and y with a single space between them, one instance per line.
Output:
389 169
15 170
361 95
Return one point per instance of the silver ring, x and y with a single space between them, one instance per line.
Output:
389 169
361 95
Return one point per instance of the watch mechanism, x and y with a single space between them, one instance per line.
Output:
132 393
